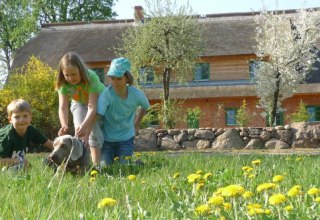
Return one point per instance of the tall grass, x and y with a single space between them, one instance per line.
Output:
163 188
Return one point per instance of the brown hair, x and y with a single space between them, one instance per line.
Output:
129 78
71 59
18 105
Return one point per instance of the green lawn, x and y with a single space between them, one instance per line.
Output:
186 186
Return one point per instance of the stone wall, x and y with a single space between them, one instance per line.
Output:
295 135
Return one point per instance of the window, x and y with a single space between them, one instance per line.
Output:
314 113
253 65
231 116
202 72
146 75
279 119
100 73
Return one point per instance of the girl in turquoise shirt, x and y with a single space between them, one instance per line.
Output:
122 107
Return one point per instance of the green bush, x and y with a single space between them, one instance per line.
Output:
151 118
193 115
242 117
301 115
34 82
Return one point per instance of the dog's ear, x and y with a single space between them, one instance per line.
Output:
77 149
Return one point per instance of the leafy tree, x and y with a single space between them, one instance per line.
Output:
34 82
168 42
301 115
20 20
287 45
74 10
243 117
18 23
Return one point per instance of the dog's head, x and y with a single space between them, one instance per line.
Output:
65 146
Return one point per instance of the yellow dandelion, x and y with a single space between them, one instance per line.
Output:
313 191
277 199
317 199
93 173
267 211
253 206
207 175
247 194
251 176
202 210
277 178
256 211
232 190
116 159
227 206
295 190
219 191
192 178
249 170
299 158
216 200
92 179
132 177
199 186
245 168
288 208
199 172
266 186
106 202
256 162
176 175
127 157
137 154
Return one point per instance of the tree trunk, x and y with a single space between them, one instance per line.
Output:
275 101
166 81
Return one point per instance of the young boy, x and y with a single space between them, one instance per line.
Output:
16 137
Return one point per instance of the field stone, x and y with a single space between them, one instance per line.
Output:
167 143
228 140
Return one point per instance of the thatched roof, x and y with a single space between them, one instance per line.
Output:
224 34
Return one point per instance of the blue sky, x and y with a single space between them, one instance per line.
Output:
124 8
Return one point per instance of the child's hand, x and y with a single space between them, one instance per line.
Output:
63 130
80 131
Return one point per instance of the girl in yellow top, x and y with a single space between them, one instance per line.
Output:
80 84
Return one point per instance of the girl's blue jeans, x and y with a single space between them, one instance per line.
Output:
121 149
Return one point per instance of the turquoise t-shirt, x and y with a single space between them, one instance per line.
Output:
80 92
119 114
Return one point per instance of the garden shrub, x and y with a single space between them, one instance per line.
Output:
301 114
34 82
193 115
150 119
242 117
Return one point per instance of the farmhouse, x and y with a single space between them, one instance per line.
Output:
221 80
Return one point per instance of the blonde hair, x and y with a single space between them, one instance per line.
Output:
18 105
71 59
